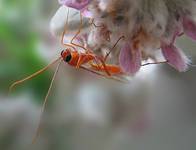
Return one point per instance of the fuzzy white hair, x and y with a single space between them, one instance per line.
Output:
157 18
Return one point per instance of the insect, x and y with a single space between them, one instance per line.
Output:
86 60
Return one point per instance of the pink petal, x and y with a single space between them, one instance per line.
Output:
130 59
189 27
77 4
175 57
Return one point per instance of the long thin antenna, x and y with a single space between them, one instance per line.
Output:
44 104
32 75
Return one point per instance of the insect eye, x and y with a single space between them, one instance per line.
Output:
68 58
62 52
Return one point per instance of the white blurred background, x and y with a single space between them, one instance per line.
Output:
156 110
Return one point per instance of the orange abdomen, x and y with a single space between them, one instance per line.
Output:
112 69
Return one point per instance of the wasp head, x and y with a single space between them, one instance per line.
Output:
66 55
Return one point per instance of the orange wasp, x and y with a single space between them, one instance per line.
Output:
71 56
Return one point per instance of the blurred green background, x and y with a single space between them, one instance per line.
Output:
156 111
18 39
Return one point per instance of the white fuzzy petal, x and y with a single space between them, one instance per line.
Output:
58 21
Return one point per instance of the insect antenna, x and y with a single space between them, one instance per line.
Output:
44 103
32 75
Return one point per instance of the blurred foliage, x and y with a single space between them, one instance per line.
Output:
18 42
